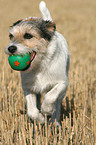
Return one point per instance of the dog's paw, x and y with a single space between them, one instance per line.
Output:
41 118
33 114
46 108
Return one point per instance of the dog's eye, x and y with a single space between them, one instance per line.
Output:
10 36
27 36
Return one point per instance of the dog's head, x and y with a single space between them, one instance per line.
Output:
31 35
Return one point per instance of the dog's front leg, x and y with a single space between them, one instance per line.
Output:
32 110
48 105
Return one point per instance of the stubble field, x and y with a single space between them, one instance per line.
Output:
76 20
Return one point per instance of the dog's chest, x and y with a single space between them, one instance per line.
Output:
36 83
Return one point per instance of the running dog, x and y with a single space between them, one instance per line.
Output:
47 74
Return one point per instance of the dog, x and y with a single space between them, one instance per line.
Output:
47 74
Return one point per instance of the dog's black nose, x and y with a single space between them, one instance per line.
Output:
12 49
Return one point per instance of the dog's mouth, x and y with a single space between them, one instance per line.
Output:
32 55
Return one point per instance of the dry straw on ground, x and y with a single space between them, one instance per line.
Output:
76 20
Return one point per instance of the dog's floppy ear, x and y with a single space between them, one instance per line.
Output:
47 29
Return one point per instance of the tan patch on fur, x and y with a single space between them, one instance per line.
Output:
51 27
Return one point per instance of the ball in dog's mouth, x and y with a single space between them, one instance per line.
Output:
21 62
32 56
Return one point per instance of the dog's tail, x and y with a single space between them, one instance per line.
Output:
44 11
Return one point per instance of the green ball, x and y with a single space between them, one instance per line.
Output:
19 62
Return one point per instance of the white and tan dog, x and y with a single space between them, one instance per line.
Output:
48 71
